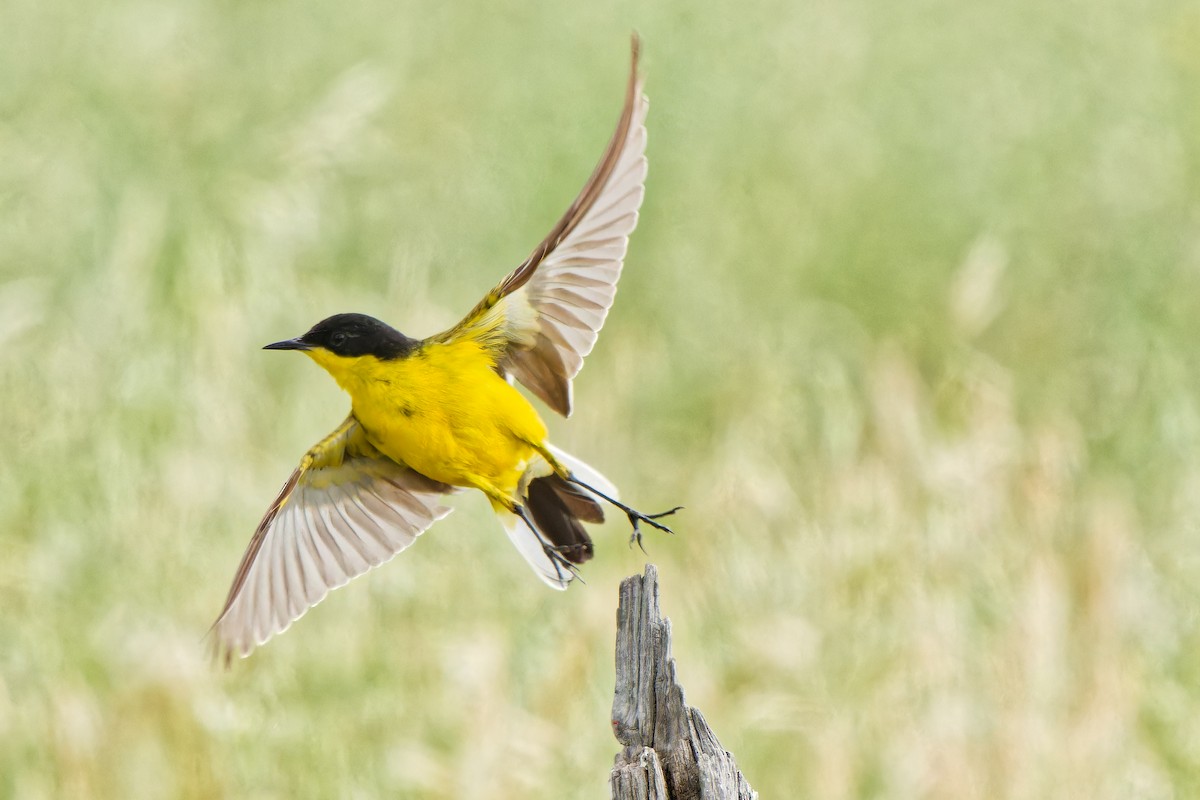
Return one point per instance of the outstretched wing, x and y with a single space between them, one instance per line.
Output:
346 508
544 316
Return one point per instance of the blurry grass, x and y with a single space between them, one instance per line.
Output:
909 325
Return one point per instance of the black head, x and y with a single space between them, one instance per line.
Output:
352 335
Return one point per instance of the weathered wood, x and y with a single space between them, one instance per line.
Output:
669 751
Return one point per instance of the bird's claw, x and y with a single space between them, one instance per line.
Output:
561 563
636 517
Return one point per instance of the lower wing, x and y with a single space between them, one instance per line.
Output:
345 509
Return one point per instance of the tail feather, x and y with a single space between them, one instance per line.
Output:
530 548
558 510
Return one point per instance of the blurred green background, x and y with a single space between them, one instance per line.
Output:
910 325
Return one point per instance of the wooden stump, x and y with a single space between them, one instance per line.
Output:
669 751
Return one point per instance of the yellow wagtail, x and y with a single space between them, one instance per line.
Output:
431 416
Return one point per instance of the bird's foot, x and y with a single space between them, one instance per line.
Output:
562 563
563 568
636 517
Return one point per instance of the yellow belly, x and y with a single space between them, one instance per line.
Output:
444 412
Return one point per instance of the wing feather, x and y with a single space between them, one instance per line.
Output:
345 510
543 318
314 578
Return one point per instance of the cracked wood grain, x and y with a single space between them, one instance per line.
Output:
670 752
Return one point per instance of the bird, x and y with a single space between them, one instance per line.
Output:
435 416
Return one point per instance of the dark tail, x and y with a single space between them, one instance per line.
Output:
558 508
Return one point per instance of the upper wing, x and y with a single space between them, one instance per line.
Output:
345 509
544 316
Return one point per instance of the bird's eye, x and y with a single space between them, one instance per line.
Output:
338 339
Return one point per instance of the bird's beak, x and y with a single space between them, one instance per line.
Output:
289 344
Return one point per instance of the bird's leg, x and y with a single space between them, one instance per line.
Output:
635 516
553 553
503 500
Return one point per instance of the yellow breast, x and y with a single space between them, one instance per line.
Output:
443 411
